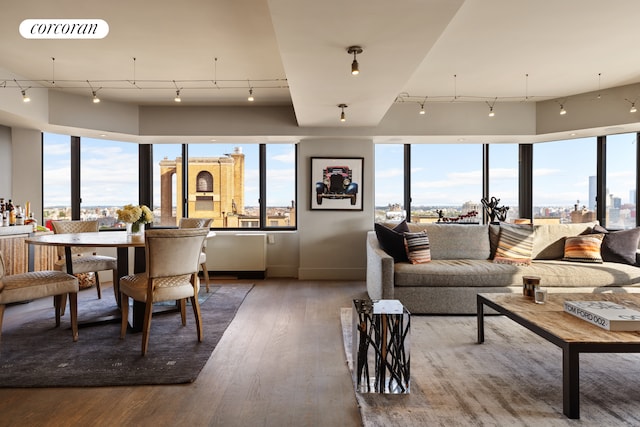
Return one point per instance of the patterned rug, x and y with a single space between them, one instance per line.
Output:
36 354
514 378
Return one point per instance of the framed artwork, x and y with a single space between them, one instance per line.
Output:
336 183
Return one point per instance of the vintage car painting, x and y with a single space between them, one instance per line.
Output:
337 184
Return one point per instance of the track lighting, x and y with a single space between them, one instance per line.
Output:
25 97
422 112
491 112
177 98
95 97
342 116
562 110
250 98
633 108
355 50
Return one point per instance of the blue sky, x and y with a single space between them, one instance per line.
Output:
441 174
109 173
452 174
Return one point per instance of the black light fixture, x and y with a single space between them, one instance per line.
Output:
355 50
422 112
250 98
177 98
633 108
491 112
342 116
23 91
94 93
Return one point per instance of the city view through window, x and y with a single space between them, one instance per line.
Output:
228 193
446 181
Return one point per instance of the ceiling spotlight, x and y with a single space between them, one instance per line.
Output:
422 112
25 97
355 50
633 108
250 98
342 116
562 110
177 98
95 97
491 112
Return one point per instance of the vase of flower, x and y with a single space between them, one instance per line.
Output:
134 218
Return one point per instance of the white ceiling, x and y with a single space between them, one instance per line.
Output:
293 52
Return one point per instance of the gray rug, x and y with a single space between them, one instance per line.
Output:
513 379
36 354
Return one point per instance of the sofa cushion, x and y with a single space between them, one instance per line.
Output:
482 273
457 241
417 245
619 246
515 244
583 248
548 242
392 240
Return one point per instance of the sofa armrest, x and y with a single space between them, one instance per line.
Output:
379 270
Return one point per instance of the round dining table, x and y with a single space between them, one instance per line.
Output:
120 240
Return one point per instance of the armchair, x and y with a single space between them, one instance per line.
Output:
39 284
199 223
172 257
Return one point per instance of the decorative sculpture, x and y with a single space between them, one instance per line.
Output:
494 211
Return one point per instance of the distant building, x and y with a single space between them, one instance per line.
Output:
215 189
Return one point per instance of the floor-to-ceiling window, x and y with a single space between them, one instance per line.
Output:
108 179
563 172
621 169
280 185
389 182
446 181
56 175
503 177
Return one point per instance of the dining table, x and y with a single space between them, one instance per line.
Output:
120 240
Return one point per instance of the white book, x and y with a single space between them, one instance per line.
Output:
606 314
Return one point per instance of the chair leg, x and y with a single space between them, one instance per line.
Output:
183 311
124 311
205 273
98 285
196 312
63 304
73 308
116 287
148 311
1 317
57 303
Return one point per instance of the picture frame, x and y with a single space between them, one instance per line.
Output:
336 183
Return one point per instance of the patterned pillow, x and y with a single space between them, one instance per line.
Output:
417 246
515 244
584 248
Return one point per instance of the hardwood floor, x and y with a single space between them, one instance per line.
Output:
280 363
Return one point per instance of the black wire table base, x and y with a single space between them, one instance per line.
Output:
381 346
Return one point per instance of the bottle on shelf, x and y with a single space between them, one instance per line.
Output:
12 213
19 215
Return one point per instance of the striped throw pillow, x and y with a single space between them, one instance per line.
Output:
583 248
418 249
515 244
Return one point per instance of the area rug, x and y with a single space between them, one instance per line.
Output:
36 354
514 378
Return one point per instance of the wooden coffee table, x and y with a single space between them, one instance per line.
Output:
572 335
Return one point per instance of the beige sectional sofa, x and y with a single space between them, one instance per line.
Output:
462 265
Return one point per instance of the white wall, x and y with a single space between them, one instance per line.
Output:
6 166
332 242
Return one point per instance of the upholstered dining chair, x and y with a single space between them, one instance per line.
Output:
199 223
171 257
85 259
39 284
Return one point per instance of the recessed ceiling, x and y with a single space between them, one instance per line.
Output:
295 52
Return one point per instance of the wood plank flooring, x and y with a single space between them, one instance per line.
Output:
280 363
